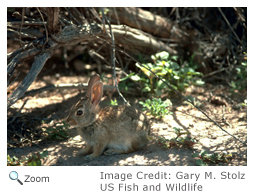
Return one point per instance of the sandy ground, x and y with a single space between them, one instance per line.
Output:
55 105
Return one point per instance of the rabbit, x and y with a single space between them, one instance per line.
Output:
110 130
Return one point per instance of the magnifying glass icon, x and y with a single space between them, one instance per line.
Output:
14 176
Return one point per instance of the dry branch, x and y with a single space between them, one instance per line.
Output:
62 30
26 33
136 41
133 41
22 56
16 24
34 71
72 35
145 21
53 19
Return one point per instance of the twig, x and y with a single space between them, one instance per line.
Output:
94 54
225 18
116 16
17 114
72 17
113 56
22 20
29 23
9 86
95 14
44 25
214 72
53 25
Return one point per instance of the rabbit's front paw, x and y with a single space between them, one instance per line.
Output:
82 152
85 151
88 158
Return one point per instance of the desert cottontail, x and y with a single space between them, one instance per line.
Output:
118 129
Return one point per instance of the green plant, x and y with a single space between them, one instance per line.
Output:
174 142
125 85
33 160
157 107
60 132
114 102
12 161
169 70
244 102
239 81
204 158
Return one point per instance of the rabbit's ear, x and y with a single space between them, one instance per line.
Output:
97 93
92 81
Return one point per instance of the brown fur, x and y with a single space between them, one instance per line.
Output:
120 129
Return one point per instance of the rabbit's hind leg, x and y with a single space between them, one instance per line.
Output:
97 151
85 151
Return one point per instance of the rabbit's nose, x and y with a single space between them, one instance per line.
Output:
71 121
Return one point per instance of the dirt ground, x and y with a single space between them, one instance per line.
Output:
53 106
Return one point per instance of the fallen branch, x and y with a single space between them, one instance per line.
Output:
72 35
145 21
22 56
30 77
136 41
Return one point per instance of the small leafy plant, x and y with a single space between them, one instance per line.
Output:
33 160
166 66
204 158
244 102
174 142
157 107
13 161
239 81
58 132
114 102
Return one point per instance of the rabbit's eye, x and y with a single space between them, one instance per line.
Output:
79 112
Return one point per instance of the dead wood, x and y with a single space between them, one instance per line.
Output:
136 32
136 37
34 71
145 21
53 19
134 40
22 56
68 36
